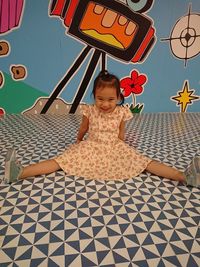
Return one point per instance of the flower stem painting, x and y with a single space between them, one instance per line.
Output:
133 85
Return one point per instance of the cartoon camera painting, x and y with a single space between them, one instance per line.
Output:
107 27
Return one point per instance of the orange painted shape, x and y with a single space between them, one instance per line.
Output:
70 12
57 11
144 45
93 21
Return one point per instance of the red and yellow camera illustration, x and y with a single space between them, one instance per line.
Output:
110 26
117 28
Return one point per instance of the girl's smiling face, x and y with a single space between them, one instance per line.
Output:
106 99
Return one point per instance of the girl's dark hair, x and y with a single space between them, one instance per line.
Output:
106 79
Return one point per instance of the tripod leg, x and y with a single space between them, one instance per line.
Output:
103 61
66 78
85 80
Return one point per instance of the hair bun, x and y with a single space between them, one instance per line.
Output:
103 73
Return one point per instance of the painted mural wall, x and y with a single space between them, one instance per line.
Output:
50 52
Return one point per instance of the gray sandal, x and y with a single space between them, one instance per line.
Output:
192 173
13 168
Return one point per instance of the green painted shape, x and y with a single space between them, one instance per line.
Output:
137 109
17 96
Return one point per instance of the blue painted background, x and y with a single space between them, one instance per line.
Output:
42 45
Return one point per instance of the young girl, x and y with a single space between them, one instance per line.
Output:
104 154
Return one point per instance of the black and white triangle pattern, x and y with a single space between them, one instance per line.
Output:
59 220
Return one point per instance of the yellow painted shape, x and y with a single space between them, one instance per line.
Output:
106 38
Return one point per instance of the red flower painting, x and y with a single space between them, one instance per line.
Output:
133 84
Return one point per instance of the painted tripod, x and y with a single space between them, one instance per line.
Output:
86 79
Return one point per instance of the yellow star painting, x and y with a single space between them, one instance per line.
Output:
185 97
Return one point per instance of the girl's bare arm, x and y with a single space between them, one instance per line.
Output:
83 129
122 130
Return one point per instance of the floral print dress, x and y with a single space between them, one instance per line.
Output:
103 155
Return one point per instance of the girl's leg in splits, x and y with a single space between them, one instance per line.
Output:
14 170
43 167
165 171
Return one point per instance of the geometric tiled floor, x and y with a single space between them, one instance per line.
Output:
60 220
